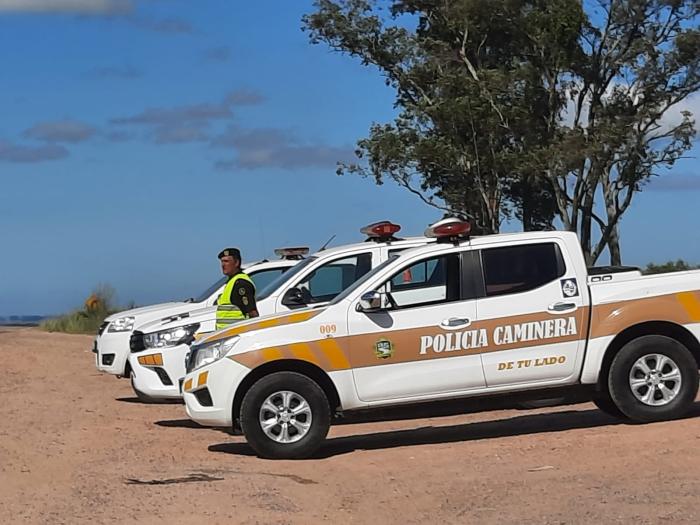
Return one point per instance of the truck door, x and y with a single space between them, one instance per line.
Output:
535 310
421 344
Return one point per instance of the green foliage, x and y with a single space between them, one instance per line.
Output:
671 266
87 320
523 108
471 107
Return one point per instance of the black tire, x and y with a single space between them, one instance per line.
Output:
604 402
619 379
300 385
127 371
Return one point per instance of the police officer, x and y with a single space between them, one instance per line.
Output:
237 301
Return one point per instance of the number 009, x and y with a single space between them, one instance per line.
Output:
328 329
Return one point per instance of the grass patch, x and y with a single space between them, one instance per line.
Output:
88 319
77 322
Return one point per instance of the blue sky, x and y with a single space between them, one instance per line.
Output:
140 137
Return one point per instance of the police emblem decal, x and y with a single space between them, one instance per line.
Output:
383 349
569 287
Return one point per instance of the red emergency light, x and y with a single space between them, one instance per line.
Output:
381 230
450 230
292 254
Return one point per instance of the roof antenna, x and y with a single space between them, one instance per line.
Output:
327 243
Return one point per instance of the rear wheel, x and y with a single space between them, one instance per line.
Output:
653 378
285 415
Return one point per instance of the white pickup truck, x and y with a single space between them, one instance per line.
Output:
111 345
463 317
159 348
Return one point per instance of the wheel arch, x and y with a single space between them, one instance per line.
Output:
313 372
671 330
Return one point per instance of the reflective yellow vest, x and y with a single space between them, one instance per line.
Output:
227 313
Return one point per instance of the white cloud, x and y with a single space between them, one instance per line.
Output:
674 116
84 7
60 131
18 153
670 119
277 148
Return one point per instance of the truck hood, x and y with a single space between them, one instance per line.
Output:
149 311
260 323
176 318
192 313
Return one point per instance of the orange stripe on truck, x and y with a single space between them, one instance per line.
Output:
249 326
303 351
691 303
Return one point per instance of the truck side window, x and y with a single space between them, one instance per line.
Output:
264 277
324 283
517 269
430 281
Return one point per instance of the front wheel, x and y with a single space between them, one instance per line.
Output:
285 415
605 403
653 378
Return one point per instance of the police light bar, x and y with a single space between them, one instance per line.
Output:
292 253
450 229
380 230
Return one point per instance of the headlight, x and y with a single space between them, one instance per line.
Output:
123 324
205 354
171 337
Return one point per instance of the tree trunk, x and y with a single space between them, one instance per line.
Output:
586 237
614 247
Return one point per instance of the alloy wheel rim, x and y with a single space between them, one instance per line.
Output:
285 417
655 380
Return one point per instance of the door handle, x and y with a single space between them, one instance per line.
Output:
561 307
455 322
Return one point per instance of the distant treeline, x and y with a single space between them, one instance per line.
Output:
21 320
672 266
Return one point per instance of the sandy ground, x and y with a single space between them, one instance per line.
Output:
76 447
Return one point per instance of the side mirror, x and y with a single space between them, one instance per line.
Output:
371 301
293 297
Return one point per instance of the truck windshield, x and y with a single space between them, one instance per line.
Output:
361 282
284 278
213 288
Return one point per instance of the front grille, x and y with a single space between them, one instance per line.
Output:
102 327
136 342
163 376
107 359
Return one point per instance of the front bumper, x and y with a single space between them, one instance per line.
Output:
152 380
214 384
112 352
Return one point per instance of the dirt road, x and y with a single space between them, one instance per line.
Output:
76 447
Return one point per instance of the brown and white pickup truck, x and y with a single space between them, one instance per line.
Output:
462 317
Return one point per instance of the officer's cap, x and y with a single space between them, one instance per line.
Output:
230 252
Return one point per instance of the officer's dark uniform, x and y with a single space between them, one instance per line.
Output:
237 300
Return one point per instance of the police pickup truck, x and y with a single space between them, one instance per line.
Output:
111 345
463 317
159 348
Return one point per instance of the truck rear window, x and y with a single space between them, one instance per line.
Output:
517 269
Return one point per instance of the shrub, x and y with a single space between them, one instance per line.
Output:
88 319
